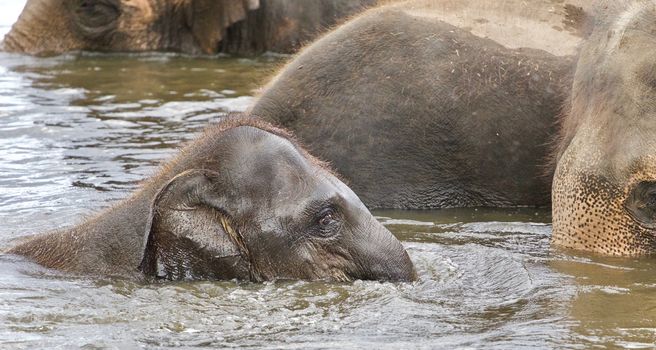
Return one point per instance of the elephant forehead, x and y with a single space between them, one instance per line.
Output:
331 186
636 16
267 163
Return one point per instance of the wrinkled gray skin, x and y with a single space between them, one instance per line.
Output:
433 104
188 26
242 201
604 193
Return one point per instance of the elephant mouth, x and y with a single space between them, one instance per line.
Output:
237 239
234 236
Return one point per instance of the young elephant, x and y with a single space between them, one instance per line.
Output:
189 26
604 188
242 201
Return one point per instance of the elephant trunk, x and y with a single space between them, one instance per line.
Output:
381 256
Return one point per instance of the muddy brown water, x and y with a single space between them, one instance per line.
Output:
78 132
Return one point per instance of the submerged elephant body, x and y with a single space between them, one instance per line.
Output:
242 201
433 104
188 26
604 192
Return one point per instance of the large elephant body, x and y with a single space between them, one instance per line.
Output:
188 26
433 104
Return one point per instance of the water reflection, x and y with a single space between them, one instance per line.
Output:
83 122
616 301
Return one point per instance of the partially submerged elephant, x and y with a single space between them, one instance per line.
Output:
188 26
433 104
604 190
242 201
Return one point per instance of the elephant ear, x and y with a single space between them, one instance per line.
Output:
209 19
191 236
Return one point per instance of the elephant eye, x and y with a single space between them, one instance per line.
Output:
94 17
641 203
327 221
327 218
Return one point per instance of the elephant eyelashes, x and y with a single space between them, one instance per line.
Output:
641 203
327 217
98 9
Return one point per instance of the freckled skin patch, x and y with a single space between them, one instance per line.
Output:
589 214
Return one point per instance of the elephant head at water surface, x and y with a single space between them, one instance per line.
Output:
242 201
188 26
604 189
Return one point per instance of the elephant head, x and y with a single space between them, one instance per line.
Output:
604 188
194 26
267 210
189 26
243 201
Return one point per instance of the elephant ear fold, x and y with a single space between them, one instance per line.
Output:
209 19
190 235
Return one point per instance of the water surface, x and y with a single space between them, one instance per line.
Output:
80 131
